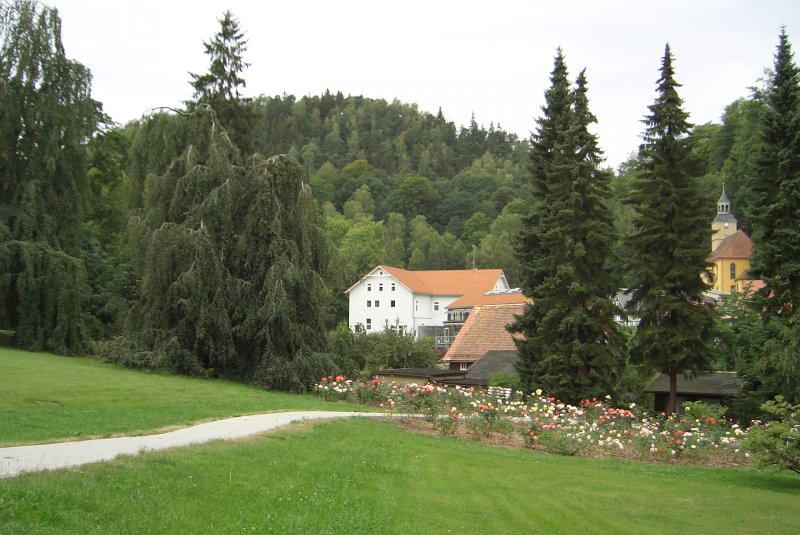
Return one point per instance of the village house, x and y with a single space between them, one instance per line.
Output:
415 301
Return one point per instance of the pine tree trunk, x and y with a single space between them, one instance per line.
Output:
673 391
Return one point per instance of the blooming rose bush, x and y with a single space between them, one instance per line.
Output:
549 424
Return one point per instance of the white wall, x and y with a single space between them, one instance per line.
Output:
410 310
376 289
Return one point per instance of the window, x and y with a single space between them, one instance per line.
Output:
380 287
391 303
393 286
436 305
733 288
369 323
369 304
416 306
377 304
369 287
462 366
733 271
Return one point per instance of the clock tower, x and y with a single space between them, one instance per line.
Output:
724 224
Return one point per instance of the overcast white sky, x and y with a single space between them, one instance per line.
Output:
490 58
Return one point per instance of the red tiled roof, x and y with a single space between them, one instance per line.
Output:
473 300
484 330
447 281
737 245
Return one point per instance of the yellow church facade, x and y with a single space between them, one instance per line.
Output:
730 252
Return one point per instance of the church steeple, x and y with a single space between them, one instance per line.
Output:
723 204
725 223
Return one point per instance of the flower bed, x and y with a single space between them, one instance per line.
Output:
592 427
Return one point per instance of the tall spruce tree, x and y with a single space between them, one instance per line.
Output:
220 86
572 346
776 226
776 221
47 116
670 243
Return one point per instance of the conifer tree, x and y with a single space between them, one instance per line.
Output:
776 219
776 227
232 259
572 343
46 117
220 86
670 243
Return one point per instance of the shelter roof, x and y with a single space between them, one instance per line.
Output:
708 383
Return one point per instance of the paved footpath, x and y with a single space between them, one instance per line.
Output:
19 459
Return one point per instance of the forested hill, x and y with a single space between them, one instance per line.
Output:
397 185
393 137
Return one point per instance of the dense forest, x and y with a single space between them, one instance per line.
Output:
219 238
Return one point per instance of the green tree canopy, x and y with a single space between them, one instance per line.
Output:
234 260
572 345
670 243
220 86
47 116
776 237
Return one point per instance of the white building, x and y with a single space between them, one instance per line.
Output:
415 301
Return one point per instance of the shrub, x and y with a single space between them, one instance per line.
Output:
776 444
506 380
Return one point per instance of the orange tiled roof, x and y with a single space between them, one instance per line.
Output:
484 330
473 300
447 281
737 245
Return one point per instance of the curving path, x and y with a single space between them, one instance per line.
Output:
19 459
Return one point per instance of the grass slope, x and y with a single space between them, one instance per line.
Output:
357 476
44 398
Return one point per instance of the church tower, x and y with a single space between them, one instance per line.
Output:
724 224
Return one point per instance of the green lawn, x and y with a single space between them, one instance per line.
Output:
356 476
44 398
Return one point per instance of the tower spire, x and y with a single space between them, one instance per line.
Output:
725 223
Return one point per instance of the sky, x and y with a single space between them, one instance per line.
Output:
492 59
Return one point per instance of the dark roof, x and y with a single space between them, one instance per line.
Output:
462 382
492 363
725 218
705 384
489 365
419 372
